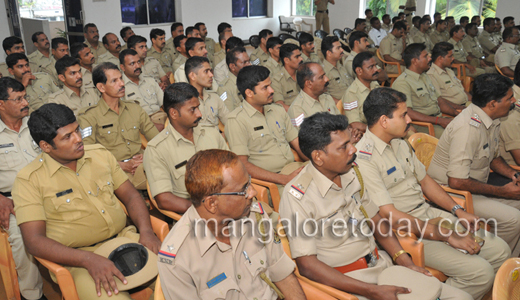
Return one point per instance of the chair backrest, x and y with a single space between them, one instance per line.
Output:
7 268
321 33
254 40
339 33
347 30
167 213
158 295
424 146
284 36
507 281
298 34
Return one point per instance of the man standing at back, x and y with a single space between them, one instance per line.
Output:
322 14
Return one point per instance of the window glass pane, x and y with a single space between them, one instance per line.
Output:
161 11
461 8
51 10
239 8
489 9
134 12
378 8
257 8
392 7
440 6
304 7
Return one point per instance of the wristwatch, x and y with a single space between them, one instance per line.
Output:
455 208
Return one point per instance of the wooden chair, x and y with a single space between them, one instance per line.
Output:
391 76
462 76
172 78
507 283
8 268
431 130
167 213
500 72
273 190
144 141
339 105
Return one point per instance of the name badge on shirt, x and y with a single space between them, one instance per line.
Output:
290 91
449 81
180 165
258 128
7 145
420 89
216 280
485 146
391 170
107 126
63 193
131 94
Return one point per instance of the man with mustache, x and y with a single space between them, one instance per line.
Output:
113 46
91 34
116 124
273 63
260 55
74 94
366 80
141 88
284 83
307 45
335 71
236 59
210 43
260 132
60 48
13 44
358 42
42 56
392 47
125 34
157 51
67 204
221 70
313 97
176 30
194 47
38 86
86 59
166 155
180 45
469 149
20 150
397 182
150 66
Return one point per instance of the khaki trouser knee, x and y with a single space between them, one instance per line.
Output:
322 19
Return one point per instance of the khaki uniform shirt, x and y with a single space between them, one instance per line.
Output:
170 47
392 46
487 41
212 108
330 205
437 37
44 64
88 97
354 98
284 86
204 268
447 83
459 53
314 58
259 57
217 57
498 36
87 77
264 138
420 92
17 149
153 68
40 89
409 39
220 72
507 56
387 28
305 106
108 57
164 57
119 133
467 147
413 31
509 133
339 79
347 64
96 52
166 156
180 76
79 208
210 46
228 92
423 38
180 60
273 66
147 93
472 46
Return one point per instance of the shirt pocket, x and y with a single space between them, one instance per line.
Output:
107 134
225 289
106 190
482 157
259 140
258 263
393 176
131 133
70 207
9 157
336 228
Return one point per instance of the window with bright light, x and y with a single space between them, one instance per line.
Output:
249 8
144 12
303 8
469 8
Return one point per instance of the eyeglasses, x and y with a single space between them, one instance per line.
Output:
20 99
243 193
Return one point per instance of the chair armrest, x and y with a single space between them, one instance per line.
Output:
160 228
172 78
414 247
467 202
431 131
296 155
273 189
167 213
144 141
64 279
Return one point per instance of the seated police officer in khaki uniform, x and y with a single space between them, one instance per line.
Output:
141 88
18 150
476 55
331 194
313 97
366 80
468 149
176 29
508 55
459 53
38 86
422 36
67 204
113 46
423 100
91 34
236 59
126 33
74 94
158 51
180 46
116 124
489 43
306 41
260 55
13 44
273 63
438 34
166 155
335 71
358 42
60 48
260 131
397 181
210 43
149 65
86 59
202 258
221 70
217 57
42 55
194 47
444 79
392 47
284 82
509 133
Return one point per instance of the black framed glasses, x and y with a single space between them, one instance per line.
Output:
243 193
20 99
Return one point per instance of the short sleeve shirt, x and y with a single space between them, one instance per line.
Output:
147 93
437 37
221 72
459 53
96 52
447 83
285 87
164 57
472 46
338 79
88 97
264 138
354 98
507 56
180 60
487 41
392 46
212 108
467 147
509 133
259 57
108 57
44 64
420 92
228 92
305 106
40 89
153 68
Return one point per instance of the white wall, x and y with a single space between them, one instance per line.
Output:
344 13
4 27
509 8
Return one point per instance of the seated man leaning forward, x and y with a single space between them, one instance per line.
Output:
397 180
166 155
330 192
204 256
66 204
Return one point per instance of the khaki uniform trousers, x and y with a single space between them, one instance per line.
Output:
29 278
322 19
476 64
370 276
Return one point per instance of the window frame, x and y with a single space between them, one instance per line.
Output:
148 24
248 12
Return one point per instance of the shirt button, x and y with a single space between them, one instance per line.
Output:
261 262
135 127
122 130
108 132
24 150
238 276
128 143
77 174
41 159
167 132
6 151
108 182
260 135
103 211
89 192
68 200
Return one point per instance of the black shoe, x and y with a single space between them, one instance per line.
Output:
42 298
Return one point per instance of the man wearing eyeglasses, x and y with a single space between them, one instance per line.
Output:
17 149
166 155
214 250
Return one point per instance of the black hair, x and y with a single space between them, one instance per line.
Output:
125 53
441 49
249 77
286 50
223 26
449 18
99 72
373 20
45 122
464 19
360 59
381 102
34 36
177 40
55 42
123 32
488 21
87 26
65 62
156 32
305 38
231 55
10 41
399 25
355 36
264 33
424 20
176 94
395 19
189 30
198 25
412 51
440 22
385 16
358 22
175 25
105 38
12 59
234 42
489 87
272 42
304 73
193 64
315 131
134 40
508 19
455 29
327 44
191 42
508 32
7 83
437 14
470 26
416 19
517 74
367 11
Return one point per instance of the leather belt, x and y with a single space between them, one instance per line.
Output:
367 261
408 14
6 194
323 11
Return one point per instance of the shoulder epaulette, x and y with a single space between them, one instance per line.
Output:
173 242
300 186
